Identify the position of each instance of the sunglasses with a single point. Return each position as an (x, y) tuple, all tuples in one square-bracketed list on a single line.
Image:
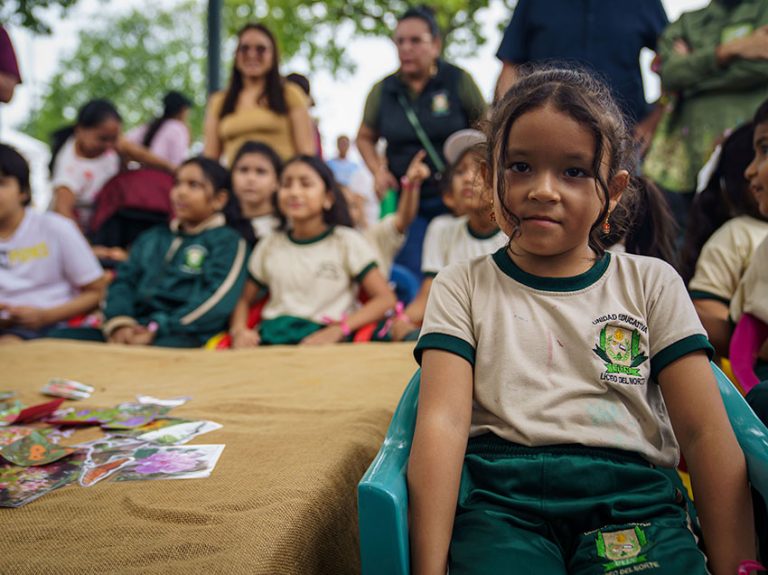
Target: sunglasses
[(260, 49)]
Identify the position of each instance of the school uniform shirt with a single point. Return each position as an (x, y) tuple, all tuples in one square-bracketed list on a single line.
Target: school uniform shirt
[(264, 225), (387, 240), (449, 240), (45, 262), (567, 360), (752, 294), (312, 279), (725, 257), (187, 281), (83, 176)]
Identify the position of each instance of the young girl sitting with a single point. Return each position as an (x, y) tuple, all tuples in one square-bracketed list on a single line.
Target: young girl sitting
[(554, 373), (724, 230), (48, 274), (311, 270), (255, 179), (180, 282), (454, 239), (85, 155)]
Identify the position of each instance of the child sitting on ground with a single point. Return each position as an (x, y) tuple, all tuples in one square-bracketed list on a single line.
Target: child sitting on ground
[(311, 269), (48, 273), (558, 378), (454, 239), (180, 282), (255, 179)]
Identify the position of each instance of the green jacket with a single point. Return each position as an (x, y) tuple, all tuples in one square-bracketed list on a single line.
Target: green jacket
[(706, 100), (186, 282)]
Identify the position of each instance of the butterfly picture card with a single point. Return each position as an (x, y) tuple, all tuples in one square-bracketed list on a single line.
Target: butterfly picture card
[(20, 485), (93, 472), (154, 425), (171, 462), (34, 449), (82, 416)]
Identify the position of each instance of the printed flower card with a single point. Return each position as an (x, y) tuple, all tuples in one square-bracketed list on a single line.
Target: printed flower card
[(182, 462), (34, 449), (20, 485), (152, 426), (82, 416)]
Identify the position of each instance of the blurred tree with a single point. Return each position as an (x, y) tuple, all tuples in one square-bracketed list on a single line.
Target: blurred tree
[(131, 58), (27, 13), (320, 31)]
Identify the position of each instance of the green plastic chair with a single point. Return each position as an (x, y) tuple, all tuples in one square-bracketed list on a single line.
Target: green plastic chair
[(382, 494)]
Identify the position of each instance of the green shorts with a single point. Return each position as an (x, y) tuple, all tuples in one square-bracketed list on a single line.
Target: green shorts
[(568, 510)]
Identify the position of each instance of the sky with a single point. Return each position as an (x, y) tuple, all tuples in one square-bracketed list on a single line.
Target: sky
[(339, 102)]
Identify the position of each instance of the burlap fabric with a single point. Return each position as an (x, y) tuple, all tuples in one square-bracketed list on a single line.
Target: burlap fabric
[(301, 426)]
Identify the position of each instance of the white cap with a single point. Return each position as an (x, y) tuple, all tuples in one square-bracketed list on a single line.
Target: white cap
[(459, 142)]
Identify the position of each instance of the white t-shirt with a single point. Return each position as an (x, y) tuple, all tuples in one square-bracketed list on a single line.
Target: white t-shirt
[(45, 262), (449, 240), (387, 240), (752, 294), (311, 279), (83, 176), (725, 257), (567, 360)]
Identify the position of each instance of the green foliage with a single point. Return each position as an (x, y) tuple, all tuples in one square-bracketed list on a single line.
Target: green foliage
[(320, 31), (26, 13), (132, 59)]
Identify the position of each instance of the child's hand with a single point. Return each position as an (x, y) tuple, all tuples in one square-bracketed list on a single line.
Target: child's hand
[(29, 317), (141, 336), (331, 334), (245, 338), (5, 316), (121, 335), (401, 328), (417, 170)]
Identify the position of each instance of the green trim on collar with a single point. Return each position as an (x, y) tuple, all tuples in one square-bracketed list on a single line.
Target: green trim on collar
[(449, 343), (313, 240), (359, 277), (479, 236), (677, 350), (700, 294), (431, 275), (569, 284)]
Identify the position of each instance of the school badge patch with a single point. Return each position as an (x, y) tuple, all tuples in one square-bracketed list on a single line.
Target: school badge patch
[(623, 549), (619, 348), (440, 104), (194, 256)]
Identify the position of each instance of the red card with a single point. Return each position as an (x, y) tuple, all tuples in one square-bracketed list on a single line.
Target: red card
[(38, 411)]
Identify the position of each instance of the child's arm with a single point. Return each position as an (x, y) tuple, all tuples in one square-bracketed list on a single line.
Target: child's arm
[(86, 301), (64, 202), (714, 317), (434, 467), (381, 299), (414, 313), (242, 335), (410, 191), (714, 458)]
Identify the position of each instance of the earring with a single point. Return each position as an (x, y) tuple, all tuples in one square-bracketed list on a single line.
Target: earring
[(606, 227), (493, 212)]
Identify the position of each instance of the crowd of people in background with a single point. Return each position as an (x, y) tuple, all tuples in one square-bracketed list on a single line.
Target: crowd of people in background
[(259, 241)]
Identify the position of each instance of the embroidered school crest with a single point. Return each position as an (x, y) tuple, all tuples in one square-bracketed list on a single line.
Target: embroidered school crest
[(440, 104), (194, 256), (621, 548), (619, 348)]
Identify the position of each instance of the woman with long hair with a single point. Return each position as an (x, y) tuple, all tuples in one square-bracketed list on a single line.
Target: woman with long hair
[(258, 104)]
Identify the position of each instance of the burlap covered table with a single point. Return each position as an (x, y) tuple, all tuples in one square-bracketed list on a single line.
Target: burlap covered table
[(300, 427)]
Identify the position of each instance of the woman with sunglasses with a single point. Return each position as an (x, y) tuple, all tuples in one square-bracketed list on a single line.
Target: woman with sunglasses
[(417, 108), (258, 104)]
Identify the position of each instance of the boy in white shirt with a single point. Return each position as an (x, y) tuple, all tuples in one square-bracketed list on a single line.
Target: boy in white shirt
[(48, 273)]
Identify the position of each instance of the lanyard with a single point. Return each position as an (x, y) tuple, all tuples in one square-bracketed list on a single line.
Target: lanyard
[(423, 138)]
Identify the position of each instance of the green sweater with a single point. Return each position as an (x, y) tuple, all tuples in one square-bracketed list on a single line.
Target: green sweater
[(188, 282), (706, 100)]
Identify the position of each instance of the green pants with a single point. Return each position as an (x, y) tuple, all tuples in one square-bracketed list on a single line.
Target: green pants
[(568, 510), (93, 334)]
